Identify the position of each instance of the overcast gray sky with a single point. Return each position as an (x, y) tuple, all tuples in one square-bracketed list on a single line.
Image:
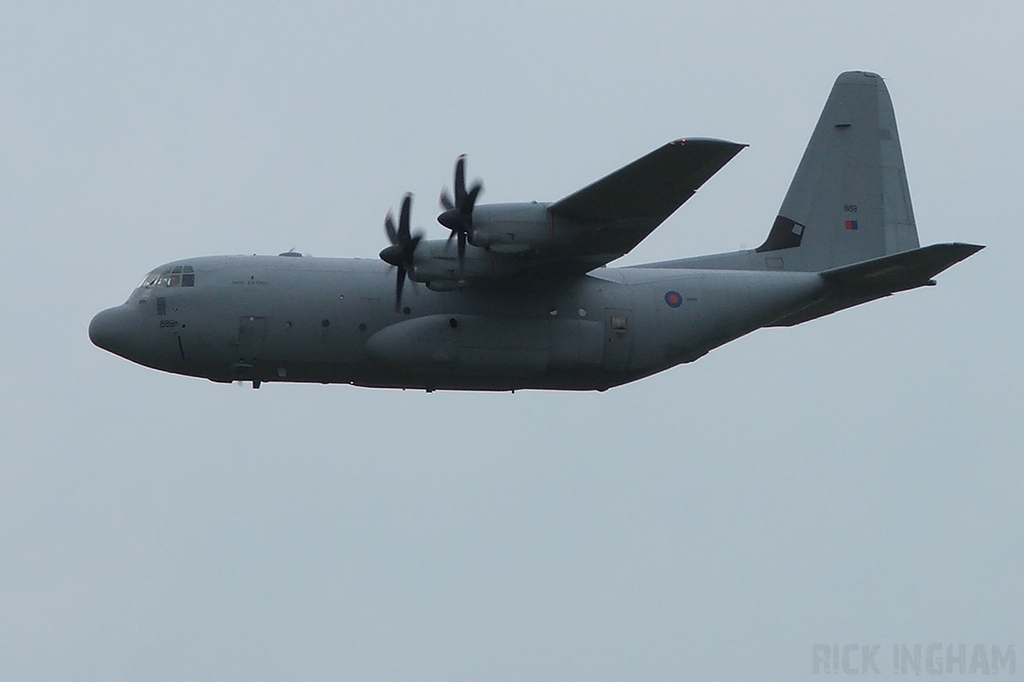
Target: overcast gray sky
[(853, 480)]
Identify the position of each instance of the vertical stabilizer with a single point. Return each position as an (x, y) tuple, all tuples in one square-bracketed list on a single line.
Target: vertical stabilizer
[(849, 200)]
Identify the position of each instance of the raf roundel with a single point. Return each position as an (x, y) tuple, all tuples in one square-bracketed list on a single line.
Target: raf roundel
[(673, 299)]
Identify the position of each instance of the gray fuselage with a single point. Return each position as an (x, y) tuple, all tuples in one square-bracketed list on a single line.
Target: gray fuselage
[(326, 320)]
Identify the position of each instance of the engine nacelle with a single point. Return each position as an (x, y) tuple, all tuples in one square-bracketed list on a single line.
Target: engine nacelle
[(505, 240), (436, 263), (513, 228)]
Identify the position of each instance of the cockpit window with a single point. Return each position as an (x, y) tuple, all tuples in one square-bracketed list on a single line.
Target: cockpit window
[(177, 276)]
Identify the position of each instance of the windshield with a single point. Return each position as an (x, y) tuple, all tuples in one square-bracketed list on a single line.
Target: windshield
[(176, 276)]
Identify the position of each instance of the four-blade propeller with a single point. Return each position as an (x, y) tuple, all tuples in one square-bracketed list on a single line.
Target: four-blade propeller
[(458, 214), (403, 246)]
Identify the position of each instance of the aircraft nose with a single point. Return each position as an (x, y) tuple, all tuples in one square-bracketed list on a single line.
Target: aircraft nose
[(108, 328)]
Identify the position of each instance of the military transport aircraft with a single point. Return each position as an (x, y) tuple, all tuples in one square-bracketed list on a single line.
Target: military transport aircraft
[(520, 295)]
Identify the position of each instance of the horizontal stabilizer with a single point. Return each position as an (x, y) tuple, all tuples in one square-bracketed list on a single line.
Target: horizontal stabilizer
[(653, 186), (901, 271), (879, 277)]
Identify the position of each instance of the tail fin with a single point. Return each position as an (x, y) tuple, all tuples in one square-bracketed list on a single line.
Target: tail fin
[(849, 200)]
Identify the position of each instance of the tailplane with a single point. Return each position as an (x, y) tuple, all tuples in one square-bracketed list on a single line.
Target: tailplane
[(851, 285)]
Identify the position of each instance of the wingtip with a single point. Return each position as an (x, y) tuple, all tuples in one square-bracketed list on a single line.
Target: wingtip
[(708, 142), (971, 249)]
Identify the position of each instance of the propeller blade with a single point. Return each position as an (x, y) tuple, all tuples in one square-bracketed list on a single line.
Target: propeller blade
[(399, 284), (389, 228), (460, 180), (403, 218), (412, 243), (446, 201), (467, 209)]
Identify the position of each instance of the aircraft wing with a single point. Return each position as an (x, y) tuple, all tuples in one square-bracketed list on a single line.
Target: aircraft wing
[(618, 211)]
